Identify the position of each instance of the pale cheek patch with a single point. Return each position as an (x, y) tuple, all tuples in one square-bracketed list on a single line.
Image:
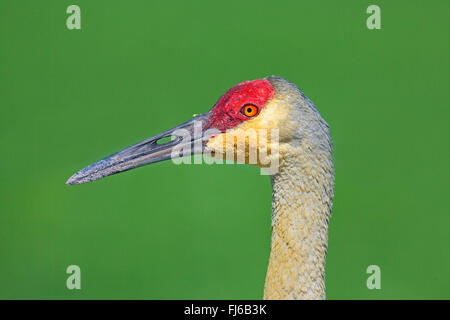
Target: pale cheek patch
[(249, 146), (276, 115), (253, 138)]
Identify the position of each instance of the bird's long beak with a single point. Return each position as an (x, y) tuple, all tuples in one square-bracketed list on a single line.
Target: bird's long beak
[(186, 136)]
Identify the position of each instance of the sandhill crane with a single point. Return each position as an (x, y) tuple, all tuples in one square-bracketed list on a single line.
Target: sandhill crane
[(302, 185)]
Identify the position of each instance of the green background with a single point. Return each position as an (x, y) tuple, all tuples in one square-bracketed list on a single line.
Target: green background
[(71, 97)]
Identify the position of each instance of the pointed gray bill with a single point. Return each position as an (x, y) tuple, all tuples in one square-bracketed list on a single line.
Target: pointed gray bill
[(188, 135)]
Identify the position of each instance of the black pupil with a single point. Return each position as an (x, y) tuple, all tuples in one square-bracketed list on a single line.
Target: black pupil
[(249, 110)]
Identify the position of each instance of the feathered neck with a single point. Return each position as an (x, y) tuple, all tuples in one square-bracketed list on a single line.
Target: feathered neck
[(301, 207)]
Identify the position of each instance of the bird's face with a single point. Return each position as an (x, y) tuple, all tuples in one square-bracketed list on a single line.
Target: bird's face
[(250, 118), (246, 117)]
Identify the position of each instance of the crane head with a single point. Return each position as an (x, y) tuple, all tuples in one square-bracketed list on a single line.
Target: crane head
[(256, 111)]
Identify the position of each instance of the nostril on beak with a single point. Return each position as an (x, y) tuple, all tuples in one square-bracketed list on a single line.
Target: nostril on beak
[(165, 140)]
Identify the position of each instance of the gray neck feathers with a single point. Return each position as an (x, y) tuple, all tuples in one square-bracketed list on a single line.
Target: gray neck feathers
[(301, 207)]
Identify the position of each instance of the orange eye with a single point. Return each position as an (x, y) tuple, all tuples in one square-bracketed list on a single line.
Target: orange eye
[(249, 110)]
